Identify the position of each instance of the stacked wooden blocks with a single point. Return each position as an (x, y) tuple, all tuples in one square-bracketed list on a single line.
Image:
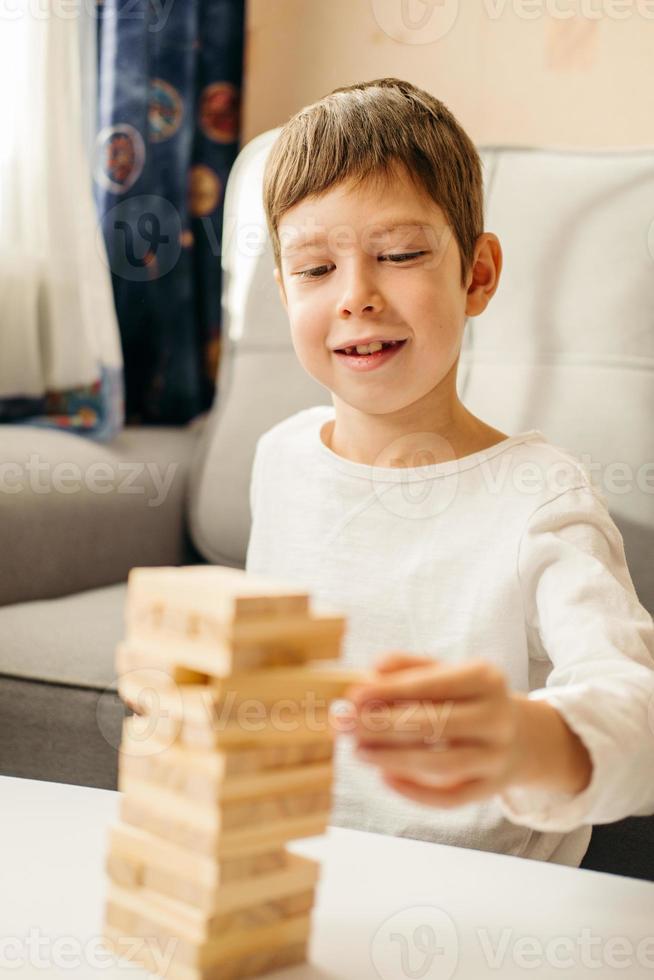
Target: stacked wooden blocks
[(228, 757)]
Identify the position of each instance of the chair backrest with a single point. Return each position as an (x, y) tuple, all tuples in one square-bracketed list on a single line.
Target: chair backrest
[(565, 346)]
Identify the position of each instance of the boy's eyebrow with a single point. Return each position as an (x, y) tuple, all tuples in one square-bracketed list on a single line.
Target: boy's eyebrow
[(314, 239)]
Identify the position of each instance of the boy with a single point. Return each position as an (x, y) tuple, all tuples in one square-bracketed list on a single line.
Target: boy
[(514, 690)]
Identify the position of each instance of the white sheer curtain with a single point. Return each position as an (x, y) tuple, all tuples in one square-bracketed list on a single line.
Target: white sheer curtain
[(58, 325)]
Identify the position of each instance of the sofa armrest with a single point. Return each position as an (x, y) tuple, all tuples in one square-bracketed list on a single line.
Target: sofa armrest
[(75, 514)]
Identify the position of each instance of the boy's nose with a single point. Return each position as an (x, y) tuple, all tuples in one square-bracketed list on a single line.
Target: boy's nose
[(360, 298), (351, 308)]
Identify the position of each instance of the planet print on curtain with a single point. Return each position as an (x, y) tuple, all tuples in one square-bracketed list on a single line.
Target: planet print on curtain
[(169, 91)]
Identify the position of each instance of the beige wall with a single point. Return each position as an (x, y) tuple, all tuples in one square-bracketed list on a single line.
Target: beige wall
[(512, 71)]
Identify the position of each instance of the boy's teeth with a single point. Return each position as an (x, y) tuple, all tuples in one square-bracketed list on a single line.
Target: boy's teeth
[(370, 348)]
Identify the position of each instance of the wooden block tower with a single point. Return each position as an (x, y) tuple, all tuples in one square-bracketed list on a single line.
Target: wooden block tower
[(228, 757)]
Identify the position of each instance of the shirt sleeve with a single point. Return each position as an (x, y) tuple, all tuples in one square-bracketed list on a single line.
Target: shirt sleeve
[(583, 615), (254, 476)]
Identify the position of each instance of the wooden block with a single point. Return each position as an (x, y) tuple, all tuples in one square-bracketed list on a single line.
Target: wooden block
[(200, 926), (234, 738), (220, 649), (225, 593), (275, 756), (212, 895), (139, 740), (248, 723), (131, 845), (134, 657), (189, 773), (156, 916), (188, 892), (198, 829), (273, 685), (125, 871), (227, 815), (145, 951)]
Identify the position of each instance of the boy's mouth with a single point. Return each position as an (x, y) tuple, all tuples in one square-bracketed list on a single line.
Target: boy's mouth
[(366, 352), (381, 354)]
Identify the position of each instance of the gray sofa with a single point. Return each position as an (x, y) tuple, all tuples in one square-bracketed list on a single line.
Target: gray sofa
[(82, 517), (566, 346)]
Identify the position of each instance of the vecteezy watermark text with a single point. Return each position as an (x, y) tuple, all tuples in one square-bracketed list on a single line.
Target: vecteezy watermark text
[(428, 21), (156, 12), (565, 953), (43, 477), (47, 953), (422, 941), (162, 708)]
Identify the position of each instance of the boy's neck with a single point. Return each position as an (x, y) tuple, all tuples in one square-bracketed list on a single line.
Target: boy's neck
[(381, 441)]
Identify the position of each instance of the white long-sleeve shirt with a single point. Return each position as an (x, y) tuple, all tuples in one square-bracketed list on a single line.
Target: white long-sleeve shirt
[(509, 554)]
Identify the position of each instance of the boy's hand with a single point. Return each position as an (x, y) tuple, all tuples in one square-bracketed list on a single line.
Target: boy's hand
[(450, 734)]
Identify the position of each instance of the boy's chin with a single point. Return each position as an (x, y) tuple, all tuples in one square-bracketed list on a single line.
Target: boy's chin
[(374, 404)]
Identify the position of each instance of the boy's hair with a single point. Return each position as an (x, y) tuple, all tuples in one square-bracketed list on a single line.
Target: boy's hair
[(361, 131)]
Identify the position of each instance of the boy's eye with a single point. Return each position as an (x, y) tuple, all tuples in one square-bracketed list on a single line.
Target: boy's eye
[(318, 271), (311, 273), (402, 257)]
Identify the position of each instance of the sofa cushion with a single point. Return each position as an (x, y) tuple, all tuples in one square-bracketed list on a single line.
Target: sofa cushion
[(60, 715), (64, 641), (75, 514), (565, 346), (60, 734)]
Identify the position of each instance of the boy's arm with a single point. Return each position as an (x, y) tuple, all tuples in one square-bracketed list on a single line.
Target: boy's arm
[(555, 758), (583, 613), (581, 749)]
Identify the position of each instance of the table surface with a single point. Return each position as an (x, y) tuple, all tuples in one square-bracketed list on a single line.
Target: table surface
[(386, 908)]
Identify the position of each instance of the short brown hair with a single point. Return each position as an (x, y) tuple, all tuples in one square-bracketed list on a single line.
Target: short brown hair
[(361, 131)]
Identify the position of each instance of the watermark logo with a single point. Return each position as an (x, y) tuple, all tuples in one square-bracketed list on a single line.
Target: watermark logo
[(416, 21), (419, 493), (417, 943), (143, 238), (413, 496), (156, 702)]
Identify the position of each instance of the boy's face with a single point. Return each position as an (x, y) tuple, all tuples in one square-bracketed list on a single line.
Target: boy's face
[(344, 286)]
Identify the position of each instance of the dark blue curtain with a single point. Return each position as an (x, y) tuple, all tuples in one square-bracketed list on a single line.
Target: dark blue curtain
[(169, 92)]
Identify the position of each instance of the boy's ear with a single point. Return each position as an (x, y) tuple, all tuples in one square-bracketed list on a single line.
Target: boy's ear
[(484, 277), (282, 291)]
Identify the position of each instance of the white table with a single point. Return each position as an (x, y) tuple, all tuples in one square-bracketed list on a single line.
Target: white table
[(386, 909)]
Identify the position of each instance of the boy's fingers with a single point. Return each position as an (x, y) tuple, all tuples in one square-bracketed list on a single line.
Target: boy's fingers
[(447, 799), (389, 663), (424, 723), (399, 661), (437, 682), (439, 768)]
